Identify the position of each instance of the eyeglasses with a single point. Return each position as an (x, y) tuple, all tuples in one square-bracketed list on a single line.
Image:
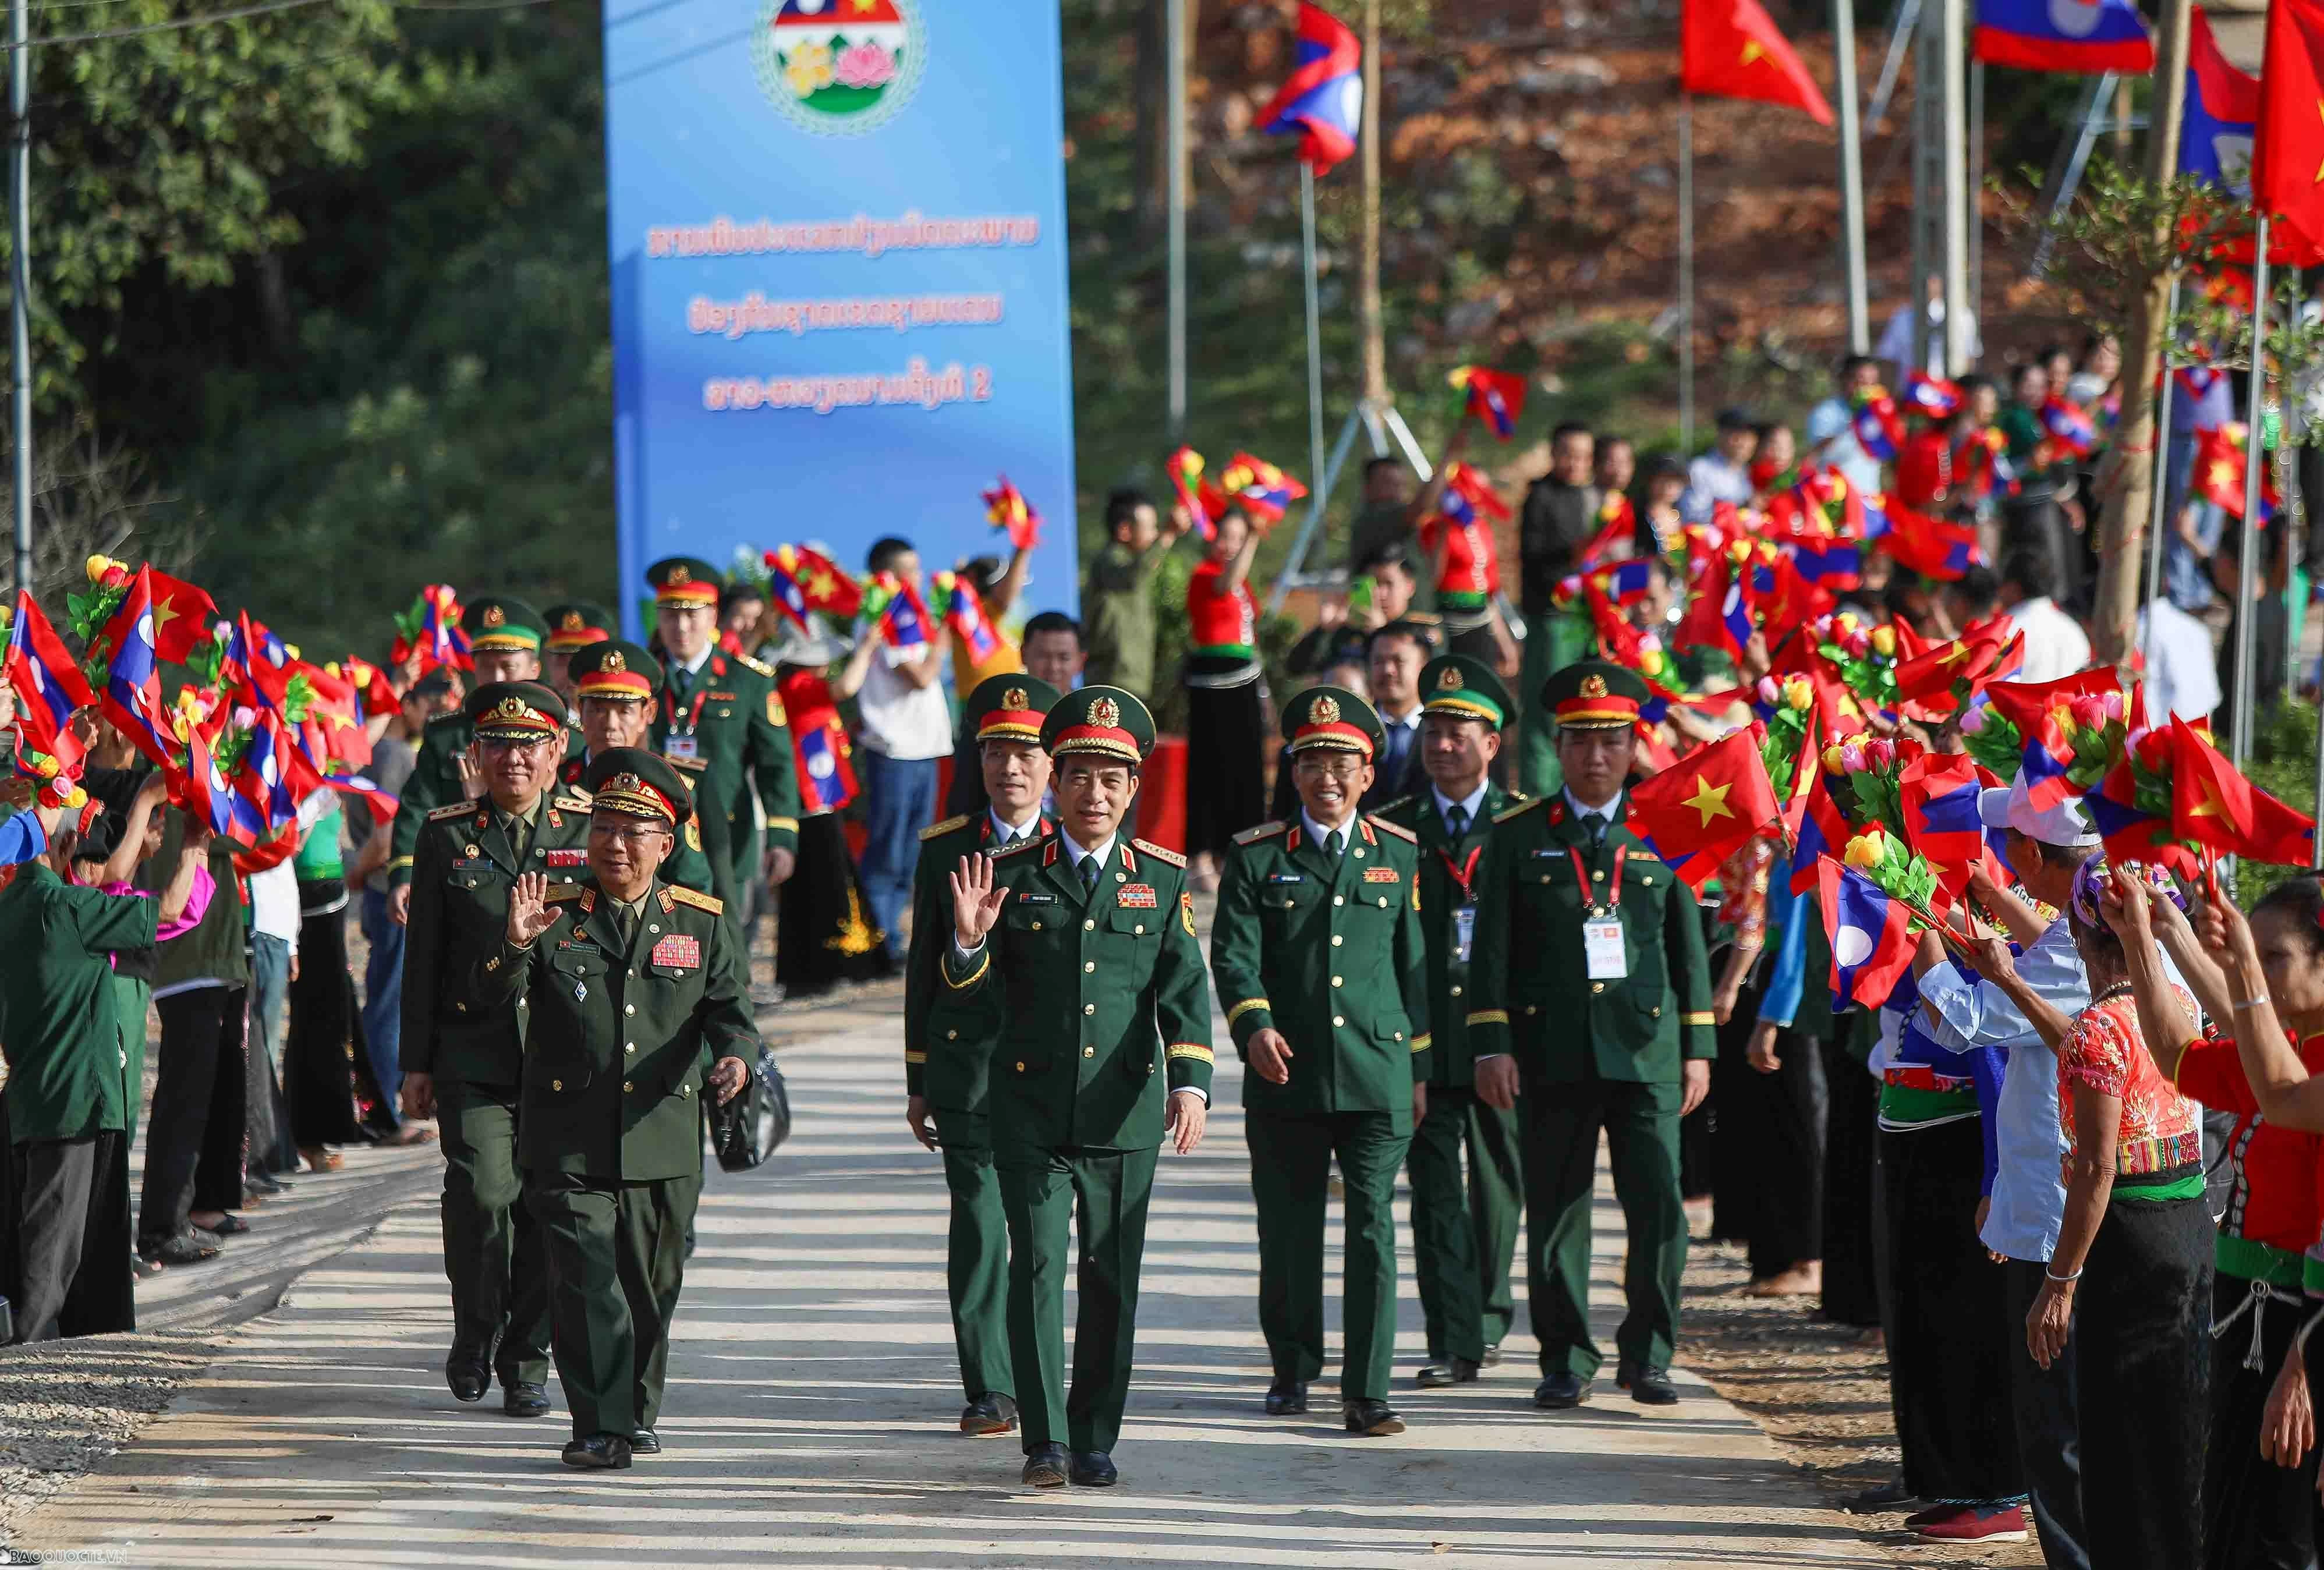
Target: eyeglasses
[(512, 744), (630, 834), (1339, 765)]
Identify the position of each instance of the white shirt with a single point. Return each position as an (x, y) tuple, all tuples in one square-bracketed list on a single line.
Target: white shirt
[(274, 902), (1712, 478), (1003, 836), (1611, 812), (694, 667), (1831, 432), (1896, 340), (2054, 643), (1321, 832), (898, 719), (2183, 675), (1473, 803)]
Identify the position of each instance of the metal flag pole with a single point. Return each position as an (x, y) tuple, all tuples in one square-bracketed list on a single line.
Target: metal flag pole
[(1315, 338), (1177, 53), (2160, 495), (20, 283), (1686, 273), (1851, 175), (2248, 562)]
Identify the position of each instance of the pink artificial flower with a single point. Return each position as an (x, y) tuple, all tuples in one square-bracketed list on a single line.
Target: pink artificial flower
[(2112, 703), (1852, 757), (865, 65), (1881, 751), (1973, 721), (1769, 692), (2088, 712)]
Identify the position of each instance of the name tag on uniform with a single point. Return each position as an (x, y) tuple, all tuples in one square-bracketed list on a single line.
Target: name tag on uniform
[(567, 858), (677, 951), (1546, 852), (1465, 927), (1137, 896), (681, 749), (1601, 947), (1287, 877), (1029, 898)]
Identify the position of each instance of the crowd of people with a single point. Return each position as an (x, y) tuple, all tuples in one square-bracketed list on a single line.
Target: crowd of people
[(2068, 1053)]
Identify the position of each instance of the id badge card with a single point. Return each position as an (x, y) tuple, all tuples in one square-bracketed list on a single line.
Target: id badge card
[(1601, 947), (681, 749), (1465, 927)]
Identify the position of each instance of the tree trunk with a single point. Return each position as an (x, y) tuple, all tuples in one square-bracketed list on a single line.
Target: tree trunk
[(1375, 329), (2128, 485), (1150, 90)]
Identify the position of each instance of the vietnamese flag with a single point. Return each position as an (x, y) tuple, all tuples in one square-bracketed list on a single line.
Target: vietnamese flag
[(182, 615), (1934, 670), (2288, 150), (1731, 48), (1717, 798)]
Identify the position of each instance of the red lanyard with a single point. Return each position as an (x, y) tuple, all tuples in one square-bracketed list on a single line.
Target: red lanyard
[(1581, 877), (669, 708), (1465, 874)]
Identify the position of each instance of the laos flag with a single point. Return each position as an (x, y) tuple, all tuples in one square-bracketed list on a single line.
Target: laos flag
[(1879, 429), (1870, 946), (132, 698), (48, 685), (2221, 119), (1324, 100), (2062, 35)]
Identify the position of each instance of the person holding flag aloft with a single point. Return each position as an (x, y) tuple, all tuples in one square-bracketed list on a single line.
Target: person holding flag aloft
[(1574, 918), (1226, 721)]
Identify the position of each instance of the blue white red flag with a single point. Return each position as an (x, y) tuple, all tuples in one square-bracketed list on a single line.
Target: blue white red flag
[(827, 782), (904, 624), (1871, 946), (784, 590), (1324, 100), (2069, 426), (48, 685), (2062, 35), (964, 614), (1496, 397), (1629, 582), (1879, 429), (2221, 119), (1927, 395), (380, 804), (132, 699)]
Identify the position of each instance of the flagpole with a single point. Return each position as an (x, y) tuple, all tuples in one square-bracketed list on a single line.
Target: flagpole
[(1686, 272), (1315, 334), (2161, 494), (2247, 564), (1175, 52), (1851, 175)]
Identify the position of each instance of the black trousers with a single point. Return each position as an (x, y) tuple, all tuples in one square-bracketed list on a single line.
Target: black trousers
[(1851, 1285), (2256, 1515), (1948, 1353), (1767, 1148), (2049, 1425), (194, 1141), (318, 1067), (73, 1234), (2142, 1372)]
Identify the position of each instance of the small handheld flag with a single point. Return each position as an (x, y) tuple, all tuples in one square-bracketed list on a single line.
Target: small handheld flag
[(1203, 500), (1717, 798), (964, 614), (48, 685), (1928, 395), (1323, 99), (2221, 119), (1871, 946), (1008, 511), (1879, 429), (2069, 35), (1495, 397), (1265, 491), (823, 583)]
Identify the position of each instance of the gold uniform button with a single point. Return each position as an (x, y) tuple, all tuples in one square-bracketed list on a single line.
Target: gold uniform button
[(627, 1086), (473, 851), (1531, 1008), (952, 1035), (1597, 877), (1359, 853), (1337, 981), (1121, 877), (1456, 990), (1336, 899), (629, 1008), (629, 1047), (1089, 1051), (556, 1085), (1020, 1068), (1657, 1011), (1036, 927), (653, 930), (539, 853), (1338, 1020), (461, 1007), (1140, 929), (1399, 1035), (1089, 965), (1089, 1008), (1336, 941), (1383, 902), (1086, 926), (1595, 987)]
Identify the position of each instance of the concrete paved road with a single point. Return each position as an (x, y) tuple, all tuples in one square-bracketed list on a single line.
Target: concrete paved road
[(812, 1401)]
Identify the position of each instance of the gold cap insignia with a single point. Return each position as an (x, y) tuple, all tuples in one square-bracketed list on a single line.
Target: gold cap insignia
[(1451, 681), (495, 616), (678, 575), (613, 663), (571, 623), (1593, 687), (1106, 713), (1015, 698), (1325, 711), (512, 708), (623, 784)]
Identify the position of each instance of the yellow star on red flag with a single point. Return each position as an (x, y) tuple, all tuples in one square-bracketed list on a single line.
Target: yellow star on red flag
[(1708, 799)]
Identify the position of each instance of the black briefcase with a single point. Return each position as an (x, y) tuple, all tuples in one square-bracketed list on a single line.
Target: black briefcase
[(752, 1126)]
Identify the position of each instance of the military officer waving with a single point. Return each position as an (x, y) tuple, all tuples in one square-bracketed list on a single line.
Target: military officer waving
[(1088, 936), (720, 720), (943, 1076), (1589, 999), (636, 1007), (1318, 926), (1462, 1239), (463, 1051), (504, 639)]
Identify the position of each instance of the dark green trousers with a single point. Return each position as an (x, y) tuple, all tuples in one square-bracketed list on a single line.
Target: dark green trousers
[(1561, 1121), (1290, 1178), (491, 1247), (976, 1265), (616, 1258), (1464, 1235), (1041, 1193)]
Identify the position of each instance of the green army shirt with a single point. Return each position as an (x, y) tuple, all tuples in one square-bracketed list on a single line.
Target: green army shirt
[(723, 727), (947, 1060), (1450, 868), (67, 1075), (1120, 621)]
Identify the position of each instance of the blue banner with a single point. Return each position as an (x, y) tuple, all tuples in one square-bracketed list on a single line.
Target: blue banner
[(838, 243)]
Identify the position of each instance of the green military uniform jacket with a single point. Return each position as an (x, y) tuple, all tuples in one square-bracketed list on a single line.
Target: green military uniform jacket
[(1443, 864), (1101, 998), (619, 1039), (435, 781), (732, 721), (947, 1060), (1529, 986), (463, 869), (1333, 947), (59, 1031)]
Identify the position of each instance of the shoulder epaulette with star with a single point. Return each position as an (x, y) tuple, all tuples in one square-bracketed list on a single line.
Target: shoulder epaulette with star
[(1399, 805), (766, 671), (563, 892), (1253, 835), (580, 803), (1160, 852), (709, 903), (455, 810), (455, 718), (938, 830), (1398, 829), (1018, 848), (1505, 813)]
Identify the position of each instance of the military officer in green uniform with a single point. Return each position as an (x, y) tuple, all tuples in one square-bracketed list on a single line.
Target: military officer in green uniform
[(1099, 1014), (1462, 1239), (613, 685), (942, 1076), (636, 1008), (721, 722), (462, 1053), (570, 628), (1318, 926), (504, 639), (1590, 1008)]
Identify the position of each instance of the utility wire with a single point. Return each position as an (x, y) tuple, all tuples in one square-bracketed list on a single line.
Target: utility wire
[(267, 8)]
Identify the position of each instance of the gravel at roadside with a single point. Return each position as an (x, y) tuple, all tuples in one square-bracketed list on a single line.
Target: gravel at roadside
[(65, 1406)]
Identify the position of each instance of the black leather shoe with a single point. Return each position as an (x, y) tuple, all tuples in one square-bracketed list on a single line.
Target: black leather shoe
[(1561, 1390), (1046, 1466), (1372, 1418), (524, 1398), (467, 1369), (1649, 1386), (1286, 1398), (1493, 1355), (1453, 1370), (645, 1442), (988, 1414), (599, 1453), (1092, 1469)]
